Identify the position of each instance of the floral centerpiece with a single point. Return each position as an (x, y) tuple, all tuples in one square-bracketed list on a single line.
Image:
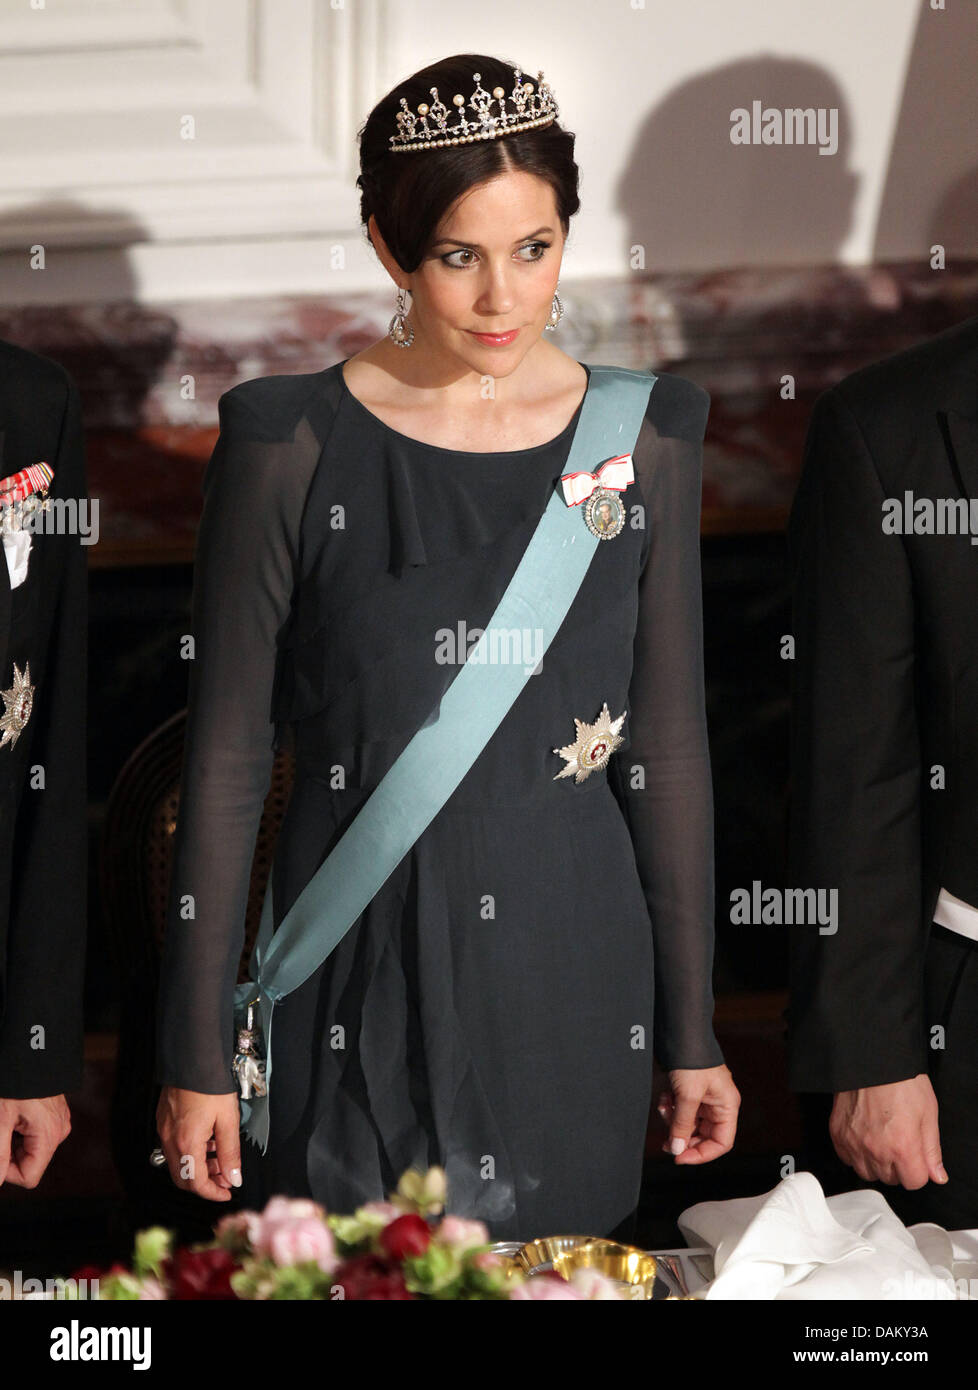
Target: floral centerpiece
[(295, 1249)]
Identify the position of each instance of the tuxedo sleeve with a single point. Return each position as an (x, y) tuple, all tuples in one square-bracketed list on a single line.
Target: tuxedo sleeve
[(666, 786), (855, 1015), (42, 1033)]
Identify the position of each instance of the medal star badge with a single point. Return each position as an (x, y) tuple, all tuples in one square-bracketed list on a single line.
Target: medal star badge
[(595, 744), (18, 702)]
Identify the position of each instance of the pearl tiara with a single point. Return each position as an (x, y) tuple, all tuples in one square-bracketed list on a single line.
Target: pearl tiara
[(428, 128)]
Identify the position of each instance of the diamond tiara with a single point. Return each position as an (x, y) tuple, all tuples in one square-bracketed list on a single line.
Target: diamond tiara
[(428, 128)]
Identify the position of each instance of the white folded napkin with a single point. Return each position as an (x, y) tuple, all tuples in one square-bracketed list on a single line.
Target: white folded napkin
[(17, 549), (792, 1243)]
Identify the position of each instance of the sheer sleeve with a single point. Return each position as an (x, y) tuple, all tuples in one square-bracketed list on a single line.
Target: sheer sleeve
[(247, 547), (665, 783)]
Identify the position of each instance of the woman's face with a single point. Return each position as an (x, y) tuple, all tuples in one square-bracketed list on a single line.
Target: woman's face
[(493, 267)]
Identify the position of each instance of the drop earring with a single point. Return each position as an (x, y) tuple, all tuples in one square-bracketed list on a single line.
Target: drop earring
[(396, 326), (556, 313)]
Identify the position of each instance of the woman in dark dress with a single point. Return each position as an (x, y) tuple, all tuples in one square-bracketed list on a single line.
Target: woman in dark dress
[(495, 1008)]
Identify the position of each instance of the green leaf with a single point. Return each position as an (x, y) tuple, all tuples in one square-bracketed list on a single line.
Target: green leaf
[(153, 1246)]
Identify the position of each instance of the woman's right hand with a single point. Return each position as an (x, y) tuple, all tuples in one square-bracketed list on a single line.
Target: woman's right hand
[(201, 1138)]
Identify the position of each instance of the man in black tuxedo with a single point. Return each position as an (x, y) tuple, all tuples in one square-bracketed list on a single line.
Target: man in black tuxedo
[(43, 837), (884, 1012)]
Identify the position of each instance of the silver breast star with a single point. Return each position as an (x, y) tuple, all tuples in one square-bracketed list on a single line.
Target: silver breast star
[(595, 744), (18, 702)]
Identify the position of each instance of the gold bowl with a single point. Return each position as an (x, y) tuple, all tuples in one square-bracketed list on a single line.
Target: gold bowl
[(626, 1264), (537, 1256)]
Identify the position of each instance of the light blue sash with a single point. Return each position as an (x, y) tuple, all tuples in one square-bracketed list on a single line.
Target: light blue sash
[(434, 762)]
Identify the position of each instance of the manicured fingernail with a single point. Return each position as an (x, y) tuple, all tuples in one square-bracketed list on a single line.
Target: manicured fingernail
[(676, 1146), (235, 1177), (663, 1110)]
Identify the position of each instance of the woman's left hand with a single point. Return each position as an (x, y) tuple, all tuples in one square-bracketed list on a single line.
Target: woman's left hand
[(701, 1112)]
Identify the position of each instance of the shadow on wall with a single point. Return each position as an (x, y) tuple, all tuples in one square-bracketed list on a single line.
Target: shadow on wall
[(930, 194), (695, 200)]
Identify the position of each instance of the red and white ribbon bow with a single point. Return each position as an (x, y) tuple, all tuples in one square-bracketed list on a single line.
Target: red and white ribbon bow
[(616, 474)]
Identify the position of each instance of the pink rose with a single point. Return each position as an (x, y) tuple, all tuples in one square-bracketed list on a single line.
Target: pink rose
[(293, 1231), (385, 1209), (238, 1230), (297, 1242), (487, 1260), (295, 1208), (545, 1286), (461, 1234)]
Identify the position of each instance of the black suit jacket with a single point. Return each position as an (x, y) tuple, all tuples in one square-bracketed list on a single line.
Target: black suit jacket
[(43, 836), (885, 710)]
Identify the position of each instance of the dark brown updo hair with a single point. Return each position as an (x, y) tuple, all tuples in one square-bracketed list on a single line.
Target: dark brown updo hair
[(409, 193)]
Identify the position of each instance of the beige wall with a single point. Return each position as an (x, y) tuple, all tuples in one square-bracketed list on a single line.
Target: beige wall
[(167, 150)]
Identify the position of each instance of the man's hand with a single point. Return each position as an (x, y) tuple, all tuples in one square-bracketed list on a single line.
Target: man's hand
[(890, 1133), (30, 1131), (200, 1135)]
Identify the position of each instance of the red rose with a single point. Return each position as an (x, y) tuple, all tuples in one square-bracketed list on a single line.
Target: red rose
[(407, 1235), (198, 1274), (371, 1277)]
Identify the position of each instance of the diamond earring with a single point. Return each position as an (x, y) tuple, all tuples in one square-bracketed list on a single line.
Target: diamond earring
[(556, 314), (396, 326)]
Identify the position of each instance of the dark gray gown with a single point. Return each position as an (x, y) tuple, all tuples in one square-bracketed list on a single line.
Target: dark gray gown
[(495, 1008)]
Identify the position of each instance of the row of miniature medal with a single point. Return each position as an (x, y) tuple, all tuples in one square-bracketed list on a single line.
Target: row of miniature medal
[(21, 494)]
